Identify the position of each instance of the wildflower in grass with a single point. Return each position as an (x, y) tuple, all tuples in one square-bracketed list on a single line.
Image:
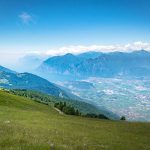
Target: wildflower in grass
[(7, 122)]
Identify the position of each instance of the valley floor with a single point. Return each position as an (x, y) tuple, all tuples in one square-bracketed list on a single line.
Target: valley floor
[(28, 125)]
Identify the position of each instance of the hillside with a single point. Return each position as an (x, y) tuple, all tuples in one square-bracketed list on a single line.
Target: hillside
[(25, 124), (3, 69), (13, 80), (83, 107)]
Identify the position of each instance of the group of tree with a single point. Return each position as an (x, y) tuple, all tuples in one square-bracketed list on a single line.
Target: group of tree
[(34, 95), (67, 109), (99, 116), (70, 110)]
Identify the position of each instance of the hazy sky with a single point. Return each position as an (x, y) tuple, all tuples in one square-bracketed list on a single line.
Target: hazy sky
[(53, 26)]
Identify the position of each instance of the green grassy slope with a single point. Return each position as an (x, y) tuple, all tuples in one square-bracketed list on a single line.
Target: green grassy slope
[(38, 96), (28, 125), (83, 107)]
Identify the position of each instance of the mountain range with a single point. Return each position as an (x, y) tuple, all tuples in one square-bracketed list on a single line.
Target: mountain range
[(134, 64)]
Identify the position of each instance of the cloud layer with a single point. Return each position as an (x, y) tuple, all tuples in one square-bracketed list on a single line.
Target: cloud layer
[(99, 48)]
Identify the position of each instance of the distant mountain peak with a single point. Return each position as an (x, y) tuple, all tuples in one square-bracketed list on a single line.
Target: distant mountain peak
[(141, 52), (69, 54)]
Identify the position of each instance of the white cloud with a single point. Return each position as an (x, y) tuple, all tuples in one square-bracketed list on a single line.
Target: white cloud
[(76, 49), (25, 17)]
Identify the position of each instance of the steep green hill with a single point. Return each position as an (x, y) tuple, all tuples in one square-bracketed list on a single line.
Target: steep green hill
[(83, 107), (28, 125)]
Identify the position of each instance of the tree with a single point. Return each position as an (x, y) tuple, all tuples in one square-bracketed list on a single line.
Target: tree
[(123, 118), (65, 104), (77, 112)]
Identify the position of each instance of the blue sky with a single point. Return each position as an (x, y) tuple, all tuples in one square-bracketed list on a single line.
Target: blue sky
[(42, 25)]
